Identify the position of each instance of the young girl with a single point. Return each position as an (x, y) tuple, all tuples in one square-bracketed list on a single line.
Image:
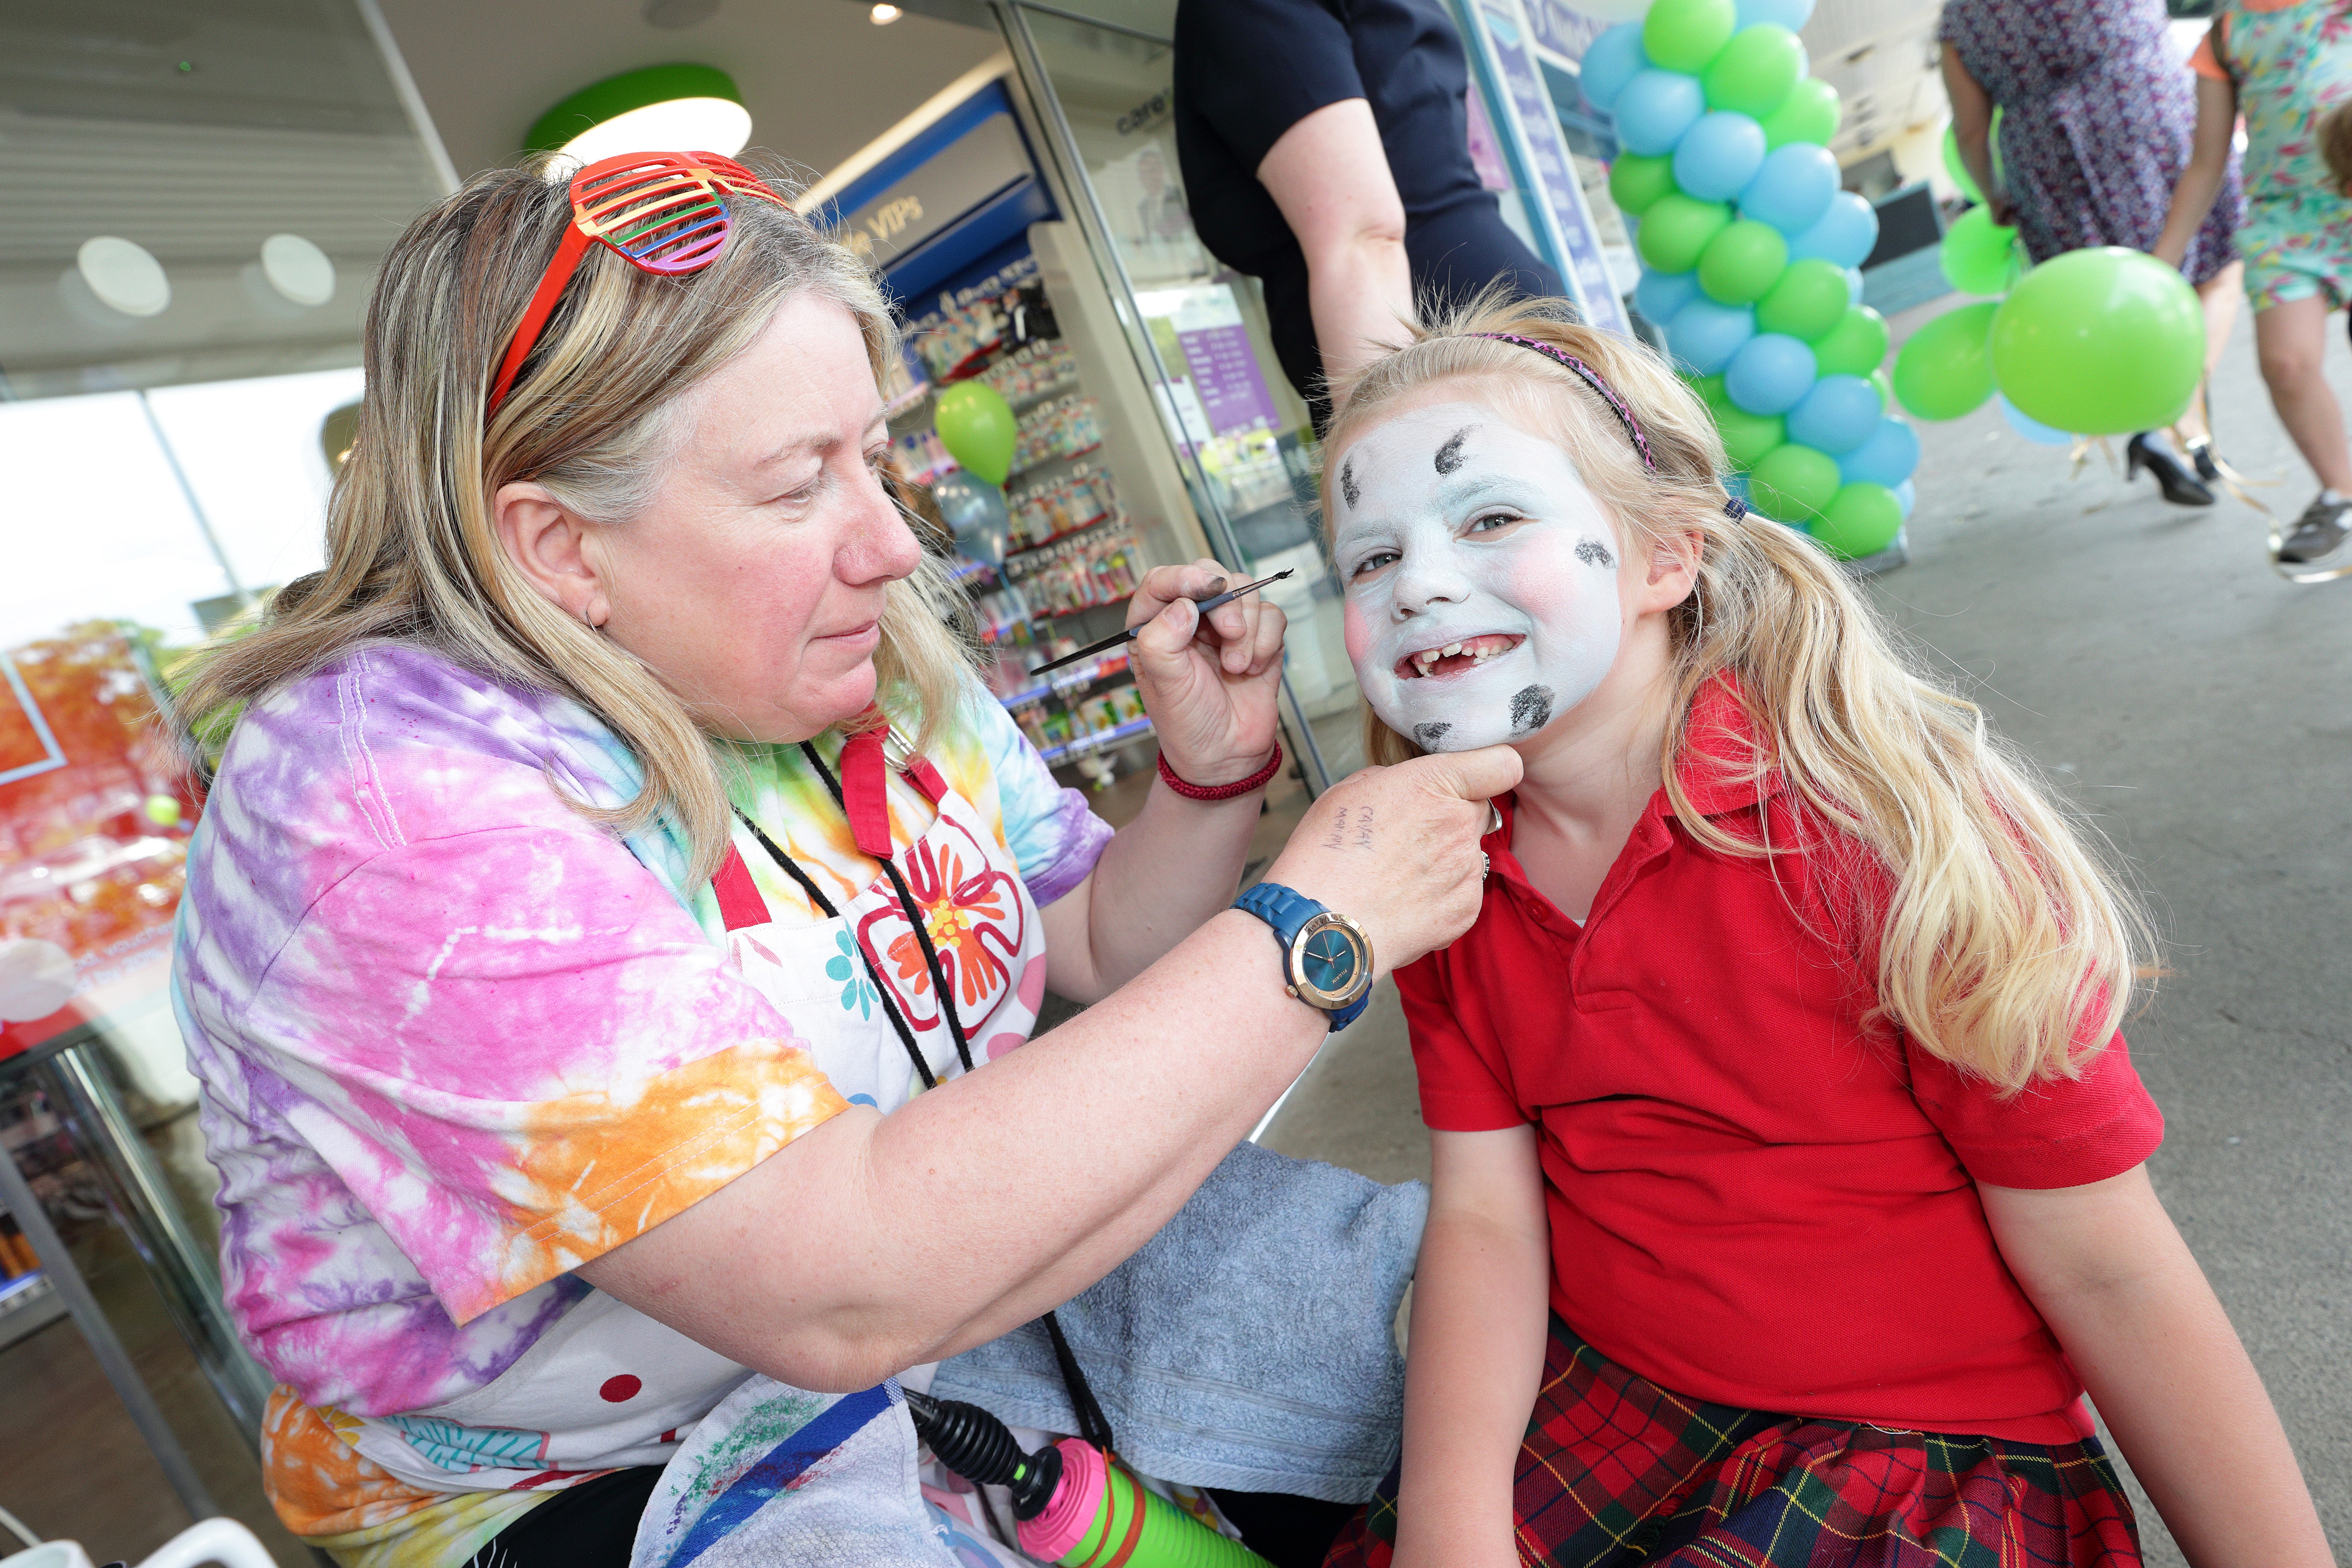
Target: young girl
[(1788, 1163)]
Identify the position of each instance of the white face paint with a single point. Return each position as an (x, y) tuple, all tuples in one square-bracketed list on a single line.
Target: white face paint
[(1481, 577)]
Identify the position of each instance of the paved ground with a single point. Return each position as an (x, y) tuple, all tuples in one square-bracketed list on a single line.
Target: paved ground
[(2150, 661)]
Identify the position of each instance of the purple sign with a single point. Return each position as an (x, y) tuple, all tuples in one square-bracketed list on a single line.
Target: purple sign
[(1226, 379)]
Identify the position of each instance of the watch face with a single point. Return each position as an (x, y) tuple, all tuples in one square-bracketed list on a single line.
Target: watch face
[(1331, 961)]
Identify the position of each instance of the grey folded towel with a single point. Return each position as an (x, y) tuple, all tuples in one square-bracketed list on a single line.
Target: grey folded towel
[(1248, 1345)]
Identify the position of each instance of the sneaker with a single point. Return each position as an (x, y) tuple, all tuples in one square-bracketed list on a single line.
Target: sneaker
[(2318, 535)]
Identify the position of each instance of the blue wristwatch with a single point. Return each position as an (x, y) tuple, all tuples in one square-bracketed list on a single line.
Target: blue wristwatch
[(1327, 959)]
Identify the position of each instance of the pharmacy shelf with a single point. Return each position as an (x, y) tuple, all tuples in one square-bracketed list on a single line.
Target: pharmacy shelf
[(1064, 683), (1113, 515), (1049, 459), (1100, 741)]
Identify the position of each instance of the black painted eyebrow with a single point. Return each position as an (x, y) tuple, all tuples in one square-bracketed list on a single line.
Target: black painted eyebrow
[(1449, 455), (1347, 482)]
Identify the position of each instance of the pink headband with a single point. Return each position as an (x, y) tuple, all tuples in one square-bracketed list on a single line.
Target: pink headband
[(1733, 507)]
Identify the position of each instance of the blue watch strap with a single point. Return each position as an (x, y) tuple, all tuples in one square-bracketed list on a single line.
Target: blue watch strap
[(1287, 913)]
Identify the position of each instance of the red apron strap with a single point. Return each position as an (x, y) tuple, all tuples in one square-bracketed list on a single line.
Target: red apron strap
[(866, 794), (926, 778), (739, 903)]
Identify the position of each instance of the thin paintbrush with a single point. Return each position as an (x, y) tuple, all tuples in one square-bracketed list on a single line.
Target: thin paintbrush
[(1227, 597)]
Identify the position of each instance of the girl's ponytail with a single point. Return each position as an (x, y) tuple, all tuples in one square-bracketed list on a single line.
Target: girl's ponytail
[(1999, 943)]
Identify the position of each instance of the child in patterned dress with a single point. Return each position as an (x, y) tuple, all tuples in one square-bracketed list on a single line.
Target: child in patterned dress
[(2287, 65)]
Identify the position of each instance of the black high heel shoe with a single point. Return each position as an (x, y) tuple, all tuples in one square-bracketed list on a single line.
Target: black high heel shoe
[(2181, 487)]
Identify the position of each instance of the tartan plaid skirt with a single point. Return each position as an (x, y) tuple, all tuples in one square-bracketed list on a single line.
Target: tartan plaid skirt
[(1616, 1470)]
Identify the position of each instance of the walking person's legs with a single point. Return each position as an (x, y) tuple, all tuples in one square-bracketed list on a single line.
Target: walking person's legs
[(2219, 295), (2291, 340)]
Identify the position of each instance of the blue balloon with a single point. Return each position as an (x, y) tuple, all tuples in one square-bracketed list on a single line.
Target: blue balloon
[(975, 513), (1853, 286), (1838, 414), (1716, 157), (1655, 108), (2030, 428), (1661, 295), (1844, 233), (1611, 61), (1887, 458), (1705, 336), (1770, 374), (1791, 190), (1906, 496), (1790, 14)]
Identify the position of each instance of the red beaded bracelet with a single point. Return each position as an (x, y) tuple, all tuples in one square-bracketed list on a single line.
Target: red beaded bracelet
[(1256, 781)]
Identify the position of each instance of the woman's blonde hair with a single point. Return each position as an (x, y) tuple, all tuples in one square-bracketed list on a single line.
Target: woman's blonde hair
[(411, 552), (2000, 943)]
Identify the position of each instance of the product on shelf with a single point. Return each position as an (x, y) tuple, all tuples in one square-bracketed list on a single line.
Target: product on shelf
[(961, 332), (1047, 509), (1059, 428), (922, 456), (1032, 369), (1098, 568)]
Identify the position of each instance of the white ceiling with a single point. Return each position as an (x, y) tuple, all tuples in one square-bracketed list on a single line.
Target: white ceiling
[(820, 79)]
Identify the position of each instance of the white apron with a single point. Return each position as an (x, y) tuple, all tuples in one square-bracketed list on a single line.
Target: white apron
[(607, 1387)]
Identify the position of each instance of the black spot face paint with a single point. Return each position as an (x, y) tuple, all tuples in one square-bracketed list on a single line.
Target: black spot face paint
[(1592, 552), (1428, 735), (1531, 709), (1347, 482), (1449, 456)]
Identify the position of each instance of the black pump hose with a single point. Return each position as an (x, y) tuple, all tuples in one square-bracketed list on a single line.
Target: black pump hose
[(980, 1448)]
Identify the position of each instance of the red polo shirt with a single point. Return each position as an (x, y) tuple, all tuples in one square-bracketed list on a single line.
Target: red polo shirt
[(1756, 1197)]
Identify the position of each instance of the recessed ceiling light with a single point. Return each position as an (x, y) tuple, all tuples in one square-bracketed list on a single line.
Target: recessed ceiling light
[(673, 108), (123, 276), (298, 269), (885, 14)]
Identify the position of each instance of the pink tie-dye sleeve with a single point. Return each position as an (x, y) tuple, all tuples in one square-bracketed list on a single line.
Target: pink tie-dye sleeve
[(518, 1051)]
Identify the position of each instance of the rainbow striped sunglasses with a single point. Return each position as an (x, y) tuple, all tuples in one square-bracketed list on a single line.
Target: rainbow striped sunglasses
[(663, 213)]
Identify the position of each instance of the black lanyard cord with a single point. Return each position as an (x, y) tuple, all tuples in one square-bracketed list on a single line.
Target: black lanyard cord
[(914, 913), (816, 897)]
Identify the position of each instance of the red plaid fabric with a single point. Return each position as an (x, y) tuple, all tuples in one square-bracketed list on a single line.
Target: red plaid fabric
[(1616, 1470)]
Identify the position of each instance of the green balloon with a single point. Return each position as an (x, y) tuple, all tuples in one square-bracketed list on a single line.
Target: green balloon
[(1946, 369), (1636, 180), (1886, 384), (1754, 72), (1855, 346), (1794, 483), (1861, 519), (1809, 113), (1747, 437), (1676, 229), (976, 426), (2102, 342), (1957, 168), (1709, 389), (1807, 301), (1979, 255), (1741, 264), (1683, 35)]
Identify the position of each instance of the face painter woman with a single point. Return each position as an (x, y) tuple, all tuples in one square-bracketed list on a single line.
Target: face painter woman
[(619, 906)]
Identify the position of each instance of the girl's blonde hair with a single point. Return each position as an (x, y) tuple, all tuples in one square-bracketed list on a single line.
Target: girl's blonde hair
[(412, 553), (2001, 942)]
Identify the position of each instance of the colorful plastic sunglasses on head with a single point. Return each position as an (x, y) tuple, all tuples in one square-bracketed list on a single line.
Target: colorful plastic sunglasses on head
[(663, 212)]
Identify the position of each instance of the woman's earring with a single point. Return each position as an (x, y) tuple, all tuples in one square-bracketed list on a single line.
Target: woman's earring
[(588, 619)]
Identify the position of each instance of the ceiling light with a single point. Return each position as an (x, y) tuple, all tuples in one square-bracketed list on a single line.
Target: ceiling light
[(885, 14), (298, 269), (673, 108), (123, 276)]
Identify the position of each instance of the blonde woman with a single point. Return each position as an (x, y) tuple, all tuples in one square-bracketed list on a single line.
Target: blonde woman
[(1788, 1163), (568, 958)]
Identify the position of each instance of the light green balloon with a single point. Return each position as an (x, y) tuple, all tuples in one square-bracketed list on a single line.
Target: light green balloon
[(1676, 229), (1747, 438), (1636, 180), (1756, 70), (1809, 113), (1957, 167), (1979, 255), (1793, 483), (1861, 519), (2101, 343), (1855, 346), (1683, 35), (977, 427), (1741, 264), (1946, 369), (1805, 301), (1709, 389)]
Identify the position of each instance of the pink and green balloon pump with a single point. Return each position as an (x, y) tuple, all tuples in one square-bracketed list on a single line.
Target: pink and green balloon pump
[(1071, 1504)]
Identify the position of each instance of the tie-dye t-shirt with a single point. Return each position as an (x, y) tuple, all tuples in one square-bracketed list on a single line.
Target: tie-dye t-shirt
[(456, 1039)]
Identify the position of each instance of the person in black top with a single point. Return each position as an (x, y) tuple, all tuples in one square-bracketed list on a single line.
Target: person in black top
[(1324, 147)]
